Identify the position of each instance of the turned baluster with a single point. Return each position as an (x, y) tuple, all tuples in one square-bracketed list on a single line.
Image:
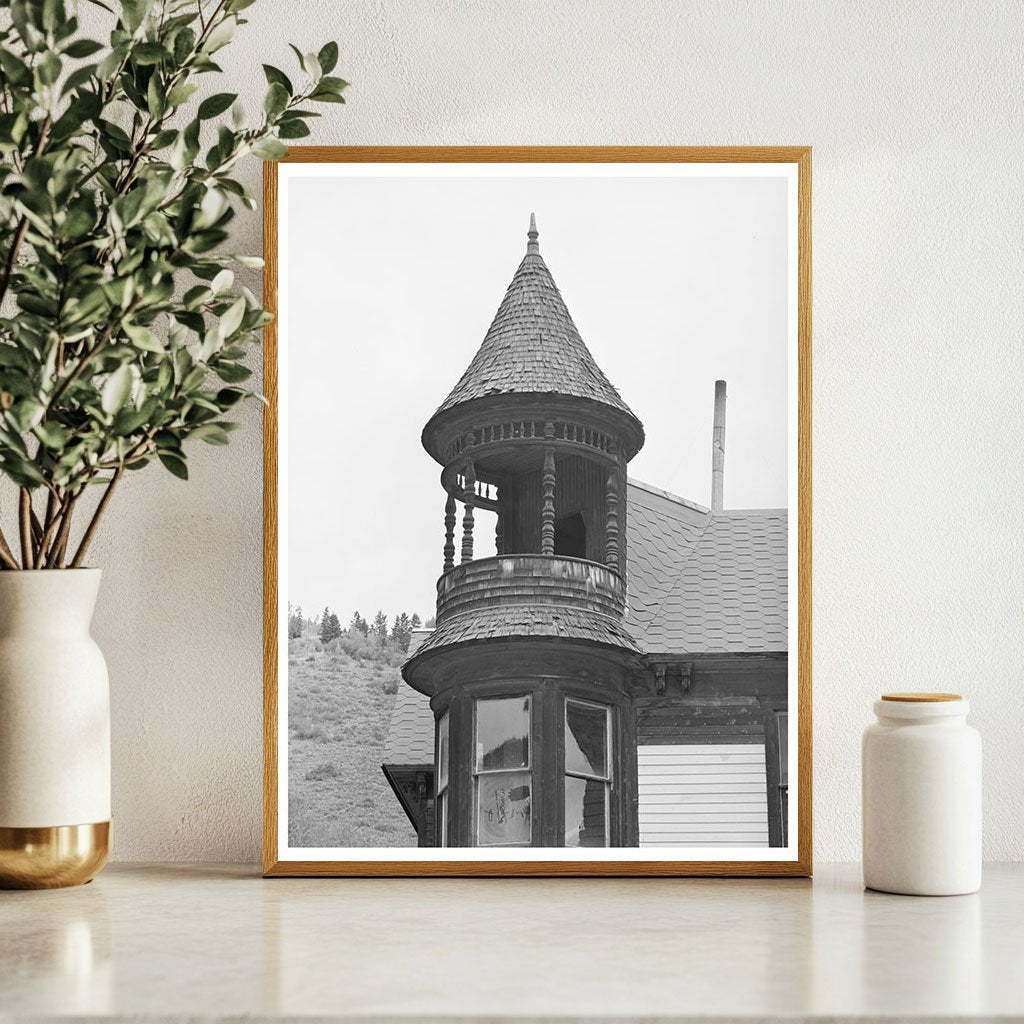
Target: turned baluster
[(547, 512), (611, 543), (449, 534), (468, 493)]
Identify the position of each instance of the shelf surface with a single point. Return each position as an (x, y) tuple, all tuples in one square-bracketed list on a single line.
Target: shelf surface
[(176, 942)]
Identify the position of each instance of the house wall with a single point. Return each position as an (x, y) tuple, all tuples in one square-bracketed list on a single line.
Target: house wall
[(707, 762)]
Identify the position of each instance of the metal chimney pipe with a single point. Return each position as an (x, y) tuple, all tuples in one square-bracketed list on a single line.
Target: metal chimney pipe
[(718, 449)]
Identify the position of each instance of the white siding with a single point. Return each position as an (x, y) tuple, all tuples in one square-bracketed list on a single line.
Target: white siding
[(703, 795)]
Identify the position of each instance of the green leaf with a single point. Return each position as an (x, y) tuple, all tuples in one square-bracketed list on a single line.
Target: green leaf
[(324, 96), (328, 57), (232, 319), (83, 48), (175, 464), (53, 435), (222, 281), (106, 68), (216, 104), (181, 93), (78, 78), (128, 421), (233, 373), (184, 44), (133, 12), (116, 390), (16, 70), (293, 130), (26, 413), (49, 68), (269, 149), (276, 99), (149, 53), (221, 35), (143, 338), (227, 397), (275, 76), (211, 433), (156, 100)]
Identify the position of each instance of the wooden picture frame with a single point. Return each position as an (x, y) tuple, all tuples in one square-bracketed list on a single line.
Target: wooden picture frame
[(800, 862)]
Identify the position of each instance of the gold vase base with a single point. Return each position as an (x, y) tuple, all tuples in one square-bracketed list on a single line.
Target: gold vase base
[(53, 857)]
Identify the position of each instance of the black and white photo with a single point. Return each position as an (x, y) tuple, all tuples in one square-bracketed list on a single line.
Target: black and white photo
[(536, 512)]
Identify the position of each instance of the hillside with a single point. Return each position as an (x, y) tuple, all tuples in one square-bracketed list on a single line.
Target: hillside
[(338, 713)]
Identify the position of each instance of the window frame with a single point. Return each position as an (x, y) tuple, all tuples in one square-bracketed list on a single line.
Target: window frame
[(442, 796), (609, 759), (778, 808), (475, 772)]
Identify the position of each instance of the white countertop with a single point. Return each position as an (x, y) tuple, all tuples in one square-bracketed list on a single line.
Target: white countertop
[(179, 941)]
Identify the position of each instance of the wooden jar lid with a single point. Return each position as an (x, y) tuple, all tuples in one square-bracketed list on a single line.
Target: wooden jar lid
[(921, 698)]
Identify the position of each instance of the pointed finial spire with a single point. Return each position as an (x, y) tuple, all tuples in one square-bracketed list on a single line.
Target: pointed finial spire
[(532, 245)]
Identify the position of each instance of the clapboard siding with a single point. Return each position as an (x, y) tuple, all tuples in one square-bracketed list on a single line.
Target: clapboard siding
[(698, 794)]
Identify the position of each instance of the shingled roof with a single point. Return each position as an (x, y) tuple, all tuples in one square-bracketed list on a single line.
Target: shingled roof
[(699, 583), (526, 620), (702, 582), (532, 346)]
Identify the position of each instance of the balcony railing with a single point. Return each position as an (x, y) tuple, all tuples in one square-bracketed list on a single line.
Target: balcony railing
[(530, 580)]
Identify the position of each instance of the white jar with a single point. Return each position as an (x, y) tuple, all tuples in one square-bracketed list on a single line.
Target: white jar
[(921, 776)]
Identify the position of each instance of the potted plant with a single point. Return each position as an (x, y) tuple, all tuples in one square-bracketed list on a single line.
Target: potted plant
[(122, 343)]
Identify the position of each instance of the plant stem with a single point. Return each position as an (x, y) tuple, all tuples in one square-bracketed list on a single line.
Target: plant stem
[(87, 356), (6, 555), (94, 523), (51, 523), (56, 556), (25, 523)]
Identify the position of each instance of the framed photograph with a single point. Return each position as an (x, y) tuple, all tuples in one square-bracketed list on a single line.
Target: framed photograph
[(537, 600)]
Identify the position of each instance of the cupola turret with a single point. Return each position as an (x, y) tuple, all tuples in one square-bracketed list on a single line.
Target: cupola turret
[(529, 663)]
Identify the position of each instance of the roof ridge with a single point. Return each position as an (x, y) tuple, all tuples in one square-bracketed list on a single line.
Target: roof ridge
[(651, 489), (740, 513)]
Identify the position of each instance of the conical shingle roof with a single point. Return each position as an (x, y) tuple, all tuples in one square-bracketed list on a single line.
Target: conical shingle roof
[(532, 346)]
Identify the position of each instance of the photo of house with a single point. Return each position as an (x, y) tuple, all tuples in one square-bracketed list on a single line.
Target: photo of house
[(616, 674)]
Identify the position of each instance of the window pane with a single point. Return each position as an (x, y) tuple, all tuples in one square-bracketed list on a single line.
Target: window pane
[(442, 752), (502, 733), (586, 818), (586, 739), (503, 809)]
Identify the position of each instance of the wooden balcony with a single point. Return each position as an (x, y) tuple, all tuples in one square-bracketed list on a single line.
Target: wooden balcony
[(508, 580)]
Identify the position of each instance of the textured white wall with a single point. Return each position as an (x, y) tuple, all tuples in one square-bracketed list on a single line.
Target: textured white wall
[(914, 113)]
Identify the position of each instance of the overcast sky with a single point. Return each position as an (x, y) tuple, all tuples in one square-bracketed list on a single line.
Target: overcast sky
[(392, 284)]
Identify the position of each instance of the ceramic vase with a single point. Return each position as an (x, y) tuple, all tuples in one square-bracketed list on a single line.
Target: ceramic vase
[(922, 796), (54, 731)]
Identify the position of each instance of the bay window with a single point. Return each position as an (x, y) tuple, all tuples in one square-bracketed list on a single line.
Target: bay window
[(443, 767), (502, 775), (588, 776)]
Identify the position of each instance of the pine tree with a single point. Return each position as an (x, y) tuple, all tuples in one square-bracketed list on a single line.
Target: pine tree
[(401, 631), (330, 628), (296, 623), (380, 628), (415, 622), (358, 622)]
